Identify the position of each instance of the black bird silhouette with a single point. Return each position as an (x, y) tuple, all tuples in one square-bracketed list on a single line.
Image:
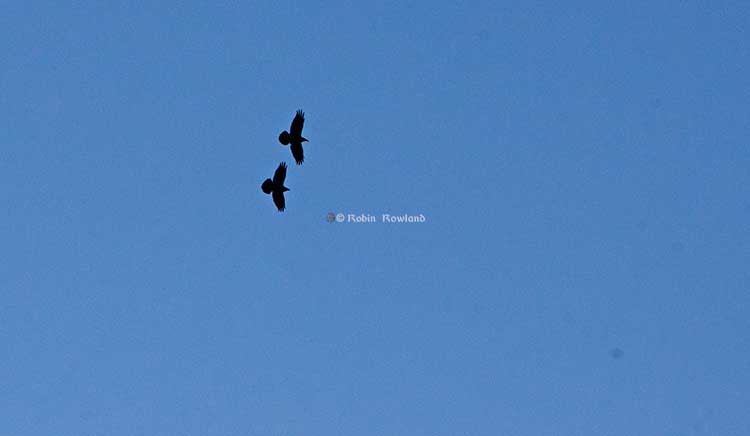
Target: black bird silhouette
[(294, 137), (276, 187)]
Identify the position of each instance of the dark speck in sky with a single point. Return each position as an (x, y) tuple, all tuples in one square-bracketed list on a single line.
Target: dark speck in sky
[(616, 353)]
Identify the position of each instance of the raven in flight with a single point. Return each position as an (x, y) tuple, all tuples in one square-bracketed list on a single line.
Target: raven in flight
[(276, 187), (294, 137)]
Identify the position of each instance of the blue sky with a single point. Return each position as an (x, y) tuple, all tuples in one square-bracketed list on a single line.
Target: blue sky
[(583, 169)]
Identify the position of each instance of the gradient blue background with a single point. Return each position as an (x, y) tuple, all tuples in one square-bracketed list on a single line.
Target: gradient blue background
[(583, 169)]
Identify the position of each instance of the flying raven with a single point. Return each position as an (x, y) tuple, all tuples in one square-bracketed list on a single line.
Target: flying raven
[(276, 187), (294, 137)]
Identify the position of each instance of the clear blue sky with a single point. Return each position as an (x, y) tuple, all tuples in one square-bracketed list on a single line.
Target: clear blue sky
[(583, 169)]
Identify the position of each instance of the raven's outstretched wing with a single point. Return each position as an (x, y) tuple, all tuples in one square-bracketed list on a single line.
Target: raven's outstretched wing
[(278, 200), (299, 155), (280, 175), (297, 123)]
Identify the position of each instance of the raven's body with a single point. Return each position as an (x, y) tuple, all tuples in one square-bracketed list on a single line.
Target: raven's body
[(276, 187), (295, 138)]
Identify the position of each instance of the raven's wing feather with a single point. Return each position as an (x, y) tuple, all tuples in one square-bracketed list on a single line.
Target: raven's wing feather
[(280, 175), (298, 153), (278, 200), (297, 123)]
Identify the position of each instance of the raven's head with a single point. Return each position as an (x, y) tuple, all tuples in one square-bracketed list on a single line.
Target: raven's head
[(284, 137), (267, 186)]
